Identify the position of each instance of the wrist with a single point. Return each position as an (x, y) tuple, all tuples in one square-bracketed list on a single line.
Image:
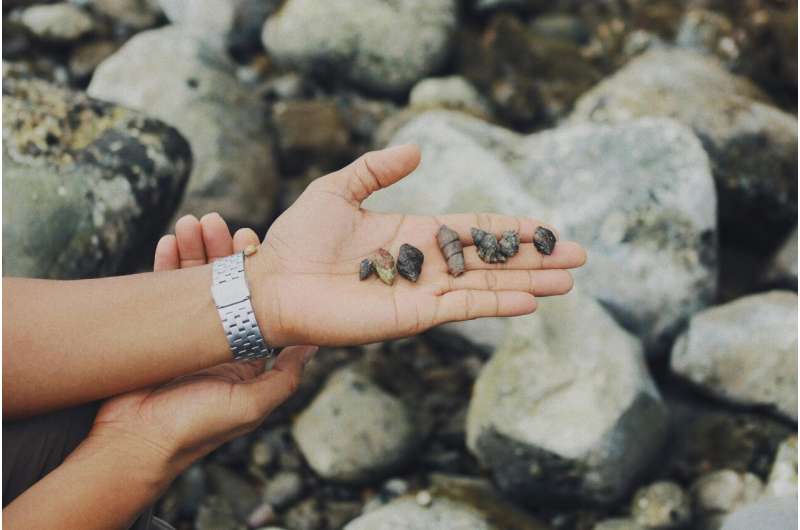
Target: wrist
[(265, 300)]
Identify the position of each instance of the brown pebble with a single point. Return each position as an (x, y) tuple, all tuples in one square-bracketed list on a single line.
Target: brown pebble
[(544, 240), (385, 266), (453, 252)]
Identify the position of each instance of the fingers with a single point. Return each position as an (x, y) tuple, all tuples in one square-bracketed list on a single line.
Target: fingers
[(493, 223), (566, 255), (216, 237), (371, 172), (243, 238), (191, 249), (467, 304), (166, 256), (539, 283), (262, 394)]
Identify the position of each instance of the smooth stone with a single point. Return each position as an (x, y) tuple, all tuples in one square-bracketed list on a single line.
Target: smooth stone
[(744, 352), (191, 84), (380, 46), (531, 428), (661, 505), (724, 491), (354, 431), (61, 22), (452, 92)]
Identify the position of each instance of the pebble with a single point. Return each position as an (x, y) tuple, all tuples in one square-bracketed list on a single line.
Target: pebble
[(661, 505), (60, 22)]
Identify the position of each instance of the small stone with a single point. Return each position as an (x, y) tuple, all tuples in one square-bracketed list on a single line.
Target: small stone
[(365, 269), (384, 266), (488, 247), (61, 22), (544, 240), (409, 262), (283, 489), (424, 498), (661, 505), (261, 515), (724, 491), (509, 243)]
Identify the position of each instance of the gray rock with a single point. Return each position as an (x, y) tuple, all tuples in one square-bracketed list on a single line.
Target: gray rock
[(724, 491), (283, 488), (61, 22), (216, 513), (353, 431), (782, 268), (752, 145), (191, 85), (136, 14), (379, 45), (782, 481), (406, 514), (661, 505), (653, 219), (452, 92), (744, 351), (84, 182), (534, 428), (618, 523), (766, 514), (239, 493)]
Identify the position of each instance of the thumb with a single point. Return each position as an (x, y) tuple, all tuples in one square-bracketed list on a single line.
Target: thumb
[(373, 171), (273, 387)]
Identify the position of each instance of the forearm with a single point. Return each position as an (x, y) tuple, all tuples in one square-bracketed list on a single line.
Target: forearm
[(94, 488), (69, 342)]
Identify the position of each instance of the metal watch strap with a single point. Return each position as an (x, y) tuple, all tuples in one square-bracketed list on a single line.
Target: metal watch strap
[(232, 298)]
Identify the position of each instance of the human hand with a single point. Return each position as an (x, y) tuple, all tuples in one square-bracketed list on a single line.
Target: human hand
[(172, 425), (306, 288)]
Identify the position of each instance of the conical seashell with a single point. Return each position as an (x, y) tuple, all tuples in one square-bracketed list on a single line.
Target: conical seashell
[(488, 249), (453, 252), (409, 262), (544, 240), (384, 266)]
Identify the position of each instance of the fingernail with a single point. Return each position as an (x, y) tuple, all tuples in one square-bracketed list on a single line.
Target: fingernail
[(309, 354)]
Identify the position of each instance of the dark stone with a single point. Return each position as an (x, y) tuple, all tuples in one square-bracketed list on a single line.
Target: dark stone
[(488, 247), (508, 244), (409, 262), (544, 240), (365, 269)]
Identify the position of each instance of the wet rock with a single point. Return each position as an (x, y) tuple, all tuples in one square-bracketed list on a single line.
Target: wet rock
[(654, 219), (528, 77), (661, 505), (192, 86), (744, 351), (283, 489), (354, 431), (782, 268), (135, 14), (766, 514), (381, 46), (782, 481), (452, 92), (310, 132), (84, 182), (618, 523), (58, 23), (752, 145), (532, 428), (721, 492)]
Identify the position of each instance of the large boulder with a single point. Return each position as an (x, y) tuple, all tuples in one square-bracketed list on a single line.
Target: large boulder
[(566, 409), (378, 45), (191, 84), (638, 195), (752, 144), (354, 431), (84, 182), (744, 351)]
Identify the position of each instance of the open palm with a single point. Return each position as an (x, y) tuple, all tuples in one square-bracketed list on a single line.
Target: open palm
[(311, 294)]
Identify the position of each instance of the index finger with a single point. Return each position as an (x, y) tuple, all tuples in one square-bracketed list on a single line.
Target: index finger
[(493, 223)]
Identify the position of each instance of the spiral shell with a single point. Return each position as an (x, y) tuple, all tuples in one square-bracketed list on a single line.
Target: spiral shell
[(453, 252), (487, 245), (508, 244), (544, 240), (384, 266), (409, 262)]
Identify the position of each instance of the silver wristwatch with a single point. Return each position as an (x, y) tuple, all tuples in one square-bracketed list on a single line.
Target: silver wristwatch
[(232, 298)]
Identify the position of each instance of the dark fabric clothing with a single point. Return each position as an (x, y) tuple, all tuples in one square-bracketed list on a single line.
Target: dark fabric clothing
[(33, 447)]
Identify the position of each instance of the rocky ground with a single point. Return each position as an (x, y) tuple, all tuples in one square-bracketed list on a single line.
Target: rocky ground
[(662, 135)]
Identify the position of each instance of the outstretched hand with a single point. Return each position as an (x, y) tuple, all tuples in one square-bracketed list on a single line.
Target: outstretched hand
[(308, 292)]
